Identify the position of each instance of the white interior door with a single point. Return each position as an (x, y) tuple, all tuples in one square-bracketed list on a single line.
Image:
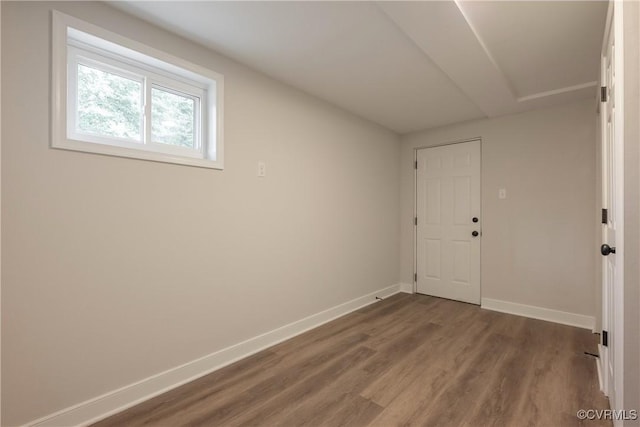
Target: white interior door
[(448, 222), (609, 228), (612, 199)]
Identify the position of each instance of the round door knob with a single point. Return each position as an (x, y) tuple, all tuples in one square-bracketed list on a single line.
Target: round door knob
[(475, 233), (606, 250), (474, 219)]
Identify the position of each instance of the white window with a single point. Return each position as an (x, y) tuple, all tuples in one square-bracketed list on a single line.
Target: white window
[(114, 96)]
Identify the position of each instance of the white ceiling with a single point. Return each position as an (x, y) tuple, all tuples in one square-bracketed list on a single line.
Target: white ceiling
[(565, 49), (405, 65)]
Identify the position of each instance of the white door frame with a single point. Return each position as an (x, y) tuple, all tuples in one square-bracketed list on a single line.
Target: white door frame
[(615, 391), (415, 205)]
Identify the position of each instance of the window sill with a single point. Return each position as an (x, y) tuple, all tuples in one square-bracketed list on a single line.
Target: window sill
[(111, 150)]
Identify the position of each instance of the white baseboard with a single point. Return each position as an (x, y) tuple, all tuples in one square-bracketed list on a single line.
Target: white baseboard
[(110, 403), (563, 317)]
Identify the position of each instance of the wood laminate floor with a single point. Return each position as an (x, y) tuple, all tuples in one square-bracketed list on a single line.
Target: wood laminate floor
[(407, 360)]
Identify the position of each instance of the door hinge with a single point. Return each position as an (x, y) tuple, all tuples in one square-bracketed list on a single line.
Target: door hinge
[(415, 277), (605, 216), (605, 338), (415, 220), (415, 164), (603, 94)]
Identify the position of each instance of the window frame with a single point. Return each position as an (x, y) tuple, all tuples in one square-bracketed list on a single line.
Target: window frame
[(77, 42), (75, 58)]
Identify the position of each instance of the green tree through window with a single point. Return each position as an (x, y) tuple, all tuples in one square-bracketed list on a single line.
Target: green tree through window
[(109, 104), (172, 118)]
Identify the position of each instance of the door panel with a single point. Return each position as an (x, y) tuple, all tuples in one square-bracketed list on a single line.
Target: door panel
[(462, 199), (432, 201), (448, 197), (432, 252), (461, 261)]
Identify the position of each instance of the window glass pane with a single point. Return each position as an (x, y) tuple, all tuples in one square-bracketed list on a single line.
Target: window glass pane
[(109, 104), (172, 118)]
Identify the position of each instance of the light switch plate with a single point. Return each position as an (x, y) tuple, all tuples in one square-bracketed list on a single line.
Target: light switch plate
[(262, 169), (502, 193)]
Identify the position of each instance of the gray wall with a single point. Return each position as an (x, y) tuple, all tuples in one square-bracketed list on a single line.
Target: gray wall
[(116, 269), (538, 244)]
